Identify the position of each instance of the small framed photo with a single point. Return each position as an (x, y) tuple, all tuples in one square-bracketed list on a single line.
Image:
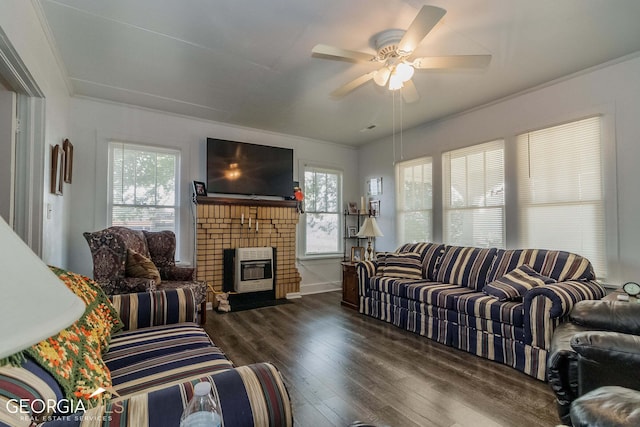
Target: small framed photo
[(352, 231), (199, 188), (352, 208), (357, 253), (374, 207)]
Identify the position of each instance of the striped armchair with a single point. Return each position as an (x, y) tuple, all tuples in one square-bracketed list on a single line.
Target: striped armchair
[(503, 305), (149, 366)]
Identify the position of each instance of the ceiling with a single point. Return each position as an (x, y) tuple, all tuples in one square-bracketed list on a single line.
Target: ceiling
[(249, 63)]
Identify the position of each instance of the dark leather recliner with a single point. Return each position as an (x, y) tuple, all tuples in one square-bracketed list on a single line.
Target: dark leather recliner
[(598, 347)]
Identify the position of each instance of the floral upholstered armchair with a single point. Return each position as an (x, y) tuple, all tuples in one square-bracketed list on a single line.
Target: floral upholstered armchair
[(127, 261)]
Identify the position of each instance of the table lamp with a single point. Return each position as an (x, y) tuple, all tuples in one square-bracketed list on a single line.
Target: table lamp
[(369, 229), (35, 304)]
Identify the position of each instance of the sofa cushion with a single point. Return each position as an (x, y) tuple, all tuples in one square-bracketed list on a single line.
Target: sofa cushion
[(559, 265), (516, 283), (466, 266), (434, 293), (407, 265), (430, 254), (478, 304), (149, 358), (139, 265)]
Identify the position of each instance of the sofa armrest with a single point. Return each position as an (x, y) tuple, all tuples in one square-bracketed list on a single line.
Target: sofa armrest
[(607, 358), (616, 316), (545, 307), (562, 368), (365, 270), (181, 274), (165, 307), (248, 396)]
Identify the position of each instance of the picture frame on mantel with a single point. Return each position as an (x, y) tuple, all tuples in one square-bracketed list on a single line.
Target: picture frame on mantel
[(199, 188)]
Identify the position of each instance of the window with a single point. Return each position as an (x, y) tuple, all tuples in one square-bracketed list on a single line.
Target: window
[(560, 190), (323, 188), (473, 195), (143, 183), (414, 200)]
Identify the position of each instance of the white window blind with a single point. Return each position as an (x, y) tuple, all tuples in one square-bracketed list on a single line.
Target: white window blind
[(560, 190), (143, 183), (473, 195), (322, 188), (414, 205)]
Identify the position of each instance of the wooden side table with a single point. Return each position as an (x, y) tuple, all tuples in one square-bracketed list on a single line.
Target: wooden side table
[(350, 286)]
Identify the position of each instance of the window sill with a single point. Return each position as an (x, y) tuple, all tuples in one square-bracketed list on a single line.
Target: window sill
[(319, 257)]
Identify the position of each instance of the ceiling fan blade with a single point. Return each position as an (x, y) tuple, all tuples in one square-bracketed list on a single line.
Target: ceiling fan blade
[(332, 52), (409, 92), (343, 90), (426, 19), (458, 61)]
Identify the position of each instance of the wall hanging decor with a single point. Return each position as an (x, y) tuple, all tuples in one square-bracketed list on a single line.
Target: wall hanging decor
[(67, 147), (57, 169)]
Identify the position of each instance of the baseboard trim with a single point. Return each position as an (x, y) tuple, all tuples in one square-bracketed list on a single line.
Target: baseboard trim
[(320, 288), (293, 295)]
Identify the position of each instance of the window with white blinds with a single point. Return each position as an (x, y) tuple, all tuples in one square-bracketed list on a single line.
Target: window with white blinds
[(473, 195), (143, 183), (322, 188), (414, 206), (560, 190)]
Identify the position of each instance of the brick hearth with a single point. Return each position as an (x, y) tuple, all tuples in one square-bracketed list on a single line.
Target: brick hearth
[(219, 227)]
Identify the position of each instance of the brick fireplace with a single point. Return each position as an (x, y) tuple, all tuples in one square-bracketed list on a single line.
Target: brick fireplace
[(223, 223)]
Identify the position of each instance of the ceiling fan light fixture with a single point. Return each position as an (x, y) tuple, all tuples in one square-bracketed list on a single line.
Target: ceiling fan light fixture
[(395, 81), (404, 71), (382, 76)]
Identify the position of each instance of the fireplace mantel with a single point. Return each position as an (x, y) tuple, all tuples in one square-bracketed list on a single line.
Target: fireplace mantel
[(223, 223), (229, 201)]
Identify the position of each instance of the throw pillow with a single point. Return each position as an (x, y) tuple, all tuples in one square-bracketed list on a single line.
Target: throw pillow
[(381, 260), (406, 265), (139, 265), (516, 283)]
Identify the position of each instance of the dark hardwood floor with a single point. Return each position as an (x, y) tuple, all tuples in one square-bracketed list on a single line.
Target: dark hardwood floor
[(340, 366)]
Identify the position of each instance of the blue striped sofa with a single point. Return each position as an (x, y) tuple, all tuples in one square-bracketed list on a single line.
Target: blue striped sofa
[(446, 302), (154, 364)]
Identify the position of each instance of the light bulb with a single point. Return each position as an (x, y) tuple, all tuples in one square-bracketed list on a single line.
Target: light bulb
[(404, 71), (395, 82), (382, 76)]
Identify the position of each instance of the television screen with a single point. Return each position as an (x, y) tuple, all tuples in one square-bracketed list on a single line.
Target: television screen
[(251, 169)]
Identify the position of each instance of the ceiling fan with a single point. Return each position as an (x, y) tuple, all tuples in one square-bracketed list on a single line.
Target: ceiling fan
[(394, 49)]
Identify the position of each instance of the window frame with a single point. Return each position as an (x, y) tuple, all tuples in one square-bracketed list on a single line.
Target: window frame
[(400, 167), (607, 194), (303, 254), (465, 152), (112, 146)]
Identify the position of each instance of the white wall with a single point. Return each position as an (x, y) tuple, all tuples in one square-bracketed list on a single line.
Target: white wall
[(19, 21), (95, 123), (613, 91)]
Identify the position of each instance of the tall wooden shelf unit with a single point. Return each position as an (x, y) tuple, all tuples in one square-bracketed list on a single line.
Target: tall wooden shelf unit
[(351, 220)]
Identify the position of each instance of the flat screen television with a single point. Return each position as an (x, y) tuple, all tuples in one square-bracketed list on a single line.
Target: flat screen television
[(250, 169)]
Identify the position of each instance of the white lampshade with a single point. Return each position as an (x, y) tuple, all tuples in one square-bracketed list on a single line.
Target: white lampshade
[(35, 304), (370, 229)]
